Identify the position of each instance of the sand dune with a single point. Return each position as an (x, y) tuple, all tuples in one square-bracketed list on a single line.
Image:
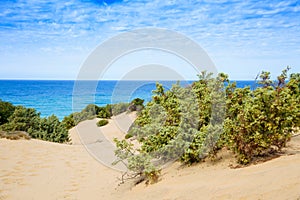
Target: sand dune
[(33, 169)]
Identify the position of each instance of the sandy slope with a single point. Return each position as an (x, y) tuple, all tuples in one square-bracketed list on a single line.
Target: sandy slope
[(275, 179), (41, 170)]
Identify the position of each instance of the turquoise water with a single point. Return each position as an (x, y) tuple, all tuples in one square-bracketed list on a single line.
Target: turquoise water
[(64, 97)]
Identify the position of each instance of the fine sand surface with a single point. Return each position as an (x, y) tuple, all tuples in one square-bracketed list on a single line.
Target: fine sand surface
[(33, 169)]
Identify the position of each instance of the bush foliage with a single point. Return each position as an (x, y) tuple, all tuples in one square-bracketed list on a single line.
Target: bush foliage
[(260, 121), (29, 121), (102, 122), (195, 122), (6, 110), (138, 164)]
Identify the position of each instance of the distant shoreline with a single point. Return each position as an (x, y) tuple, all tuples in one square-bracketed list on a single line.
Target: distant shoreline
[(56, 96)]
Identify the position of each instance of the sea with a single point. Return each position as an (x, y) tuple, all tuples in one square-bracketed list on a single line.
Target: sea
[(62, 97)]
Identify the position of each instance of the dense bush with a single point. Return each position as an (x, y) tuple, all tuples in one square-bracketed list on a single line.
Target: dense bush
[(69, 121), (195, 122), (50, 129), (211, 109), (22, 119), (260, 122), (29, 121), (183, 122), (293, 89), (105, 112), (169, 126), (102, 122), (6, 110)]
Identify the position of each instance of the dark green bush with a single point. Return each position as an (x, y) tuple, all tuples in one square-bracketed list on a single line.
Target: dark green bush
[(22, 119), (68, 121), (28, 120), (137, 101), (128, 135), (6, 110), (105, 112), (102, 122), (51, 129)]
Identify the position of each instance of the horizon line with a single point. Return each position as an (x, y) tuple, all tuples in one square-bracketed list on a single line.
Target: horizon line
[(26, 79)]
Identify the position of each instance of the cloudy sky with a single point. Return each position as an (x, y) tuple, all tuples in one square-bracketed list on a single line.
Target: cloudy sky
[(50, 39)]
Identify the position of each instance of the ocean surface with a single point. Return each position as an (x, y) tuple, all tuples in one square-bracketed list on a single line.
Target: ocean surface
[(61, 98)]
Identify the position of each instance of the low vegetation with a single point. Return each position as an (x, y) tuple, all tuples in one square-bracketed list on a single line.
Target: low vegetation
[(21, 122), (14, 135), (6, 110), (195, 122), (138, 164), (16, 119), (102, 122), (92, 111), (27, 123)]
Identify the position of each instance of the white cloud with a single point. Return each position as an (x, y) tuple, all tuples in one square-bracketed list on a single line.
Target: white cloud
[(223, 27)]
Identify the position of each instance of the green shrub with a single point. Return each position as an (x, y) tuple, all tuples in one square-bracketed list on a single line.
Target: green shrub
[(105, 112), (119, 108), (137, 101), (176, 124), (29, 121), (293, 89), (6, 110), (68, 121), (22, 119), (51, 129), (260, 122), (102, 122), (128, 135), (137, 164), (183, 122), (136, 105), (168, 128)]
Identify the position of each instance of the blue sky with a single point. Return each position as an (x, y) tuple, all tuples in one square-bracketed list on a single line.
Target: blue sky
[(50, 39)]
